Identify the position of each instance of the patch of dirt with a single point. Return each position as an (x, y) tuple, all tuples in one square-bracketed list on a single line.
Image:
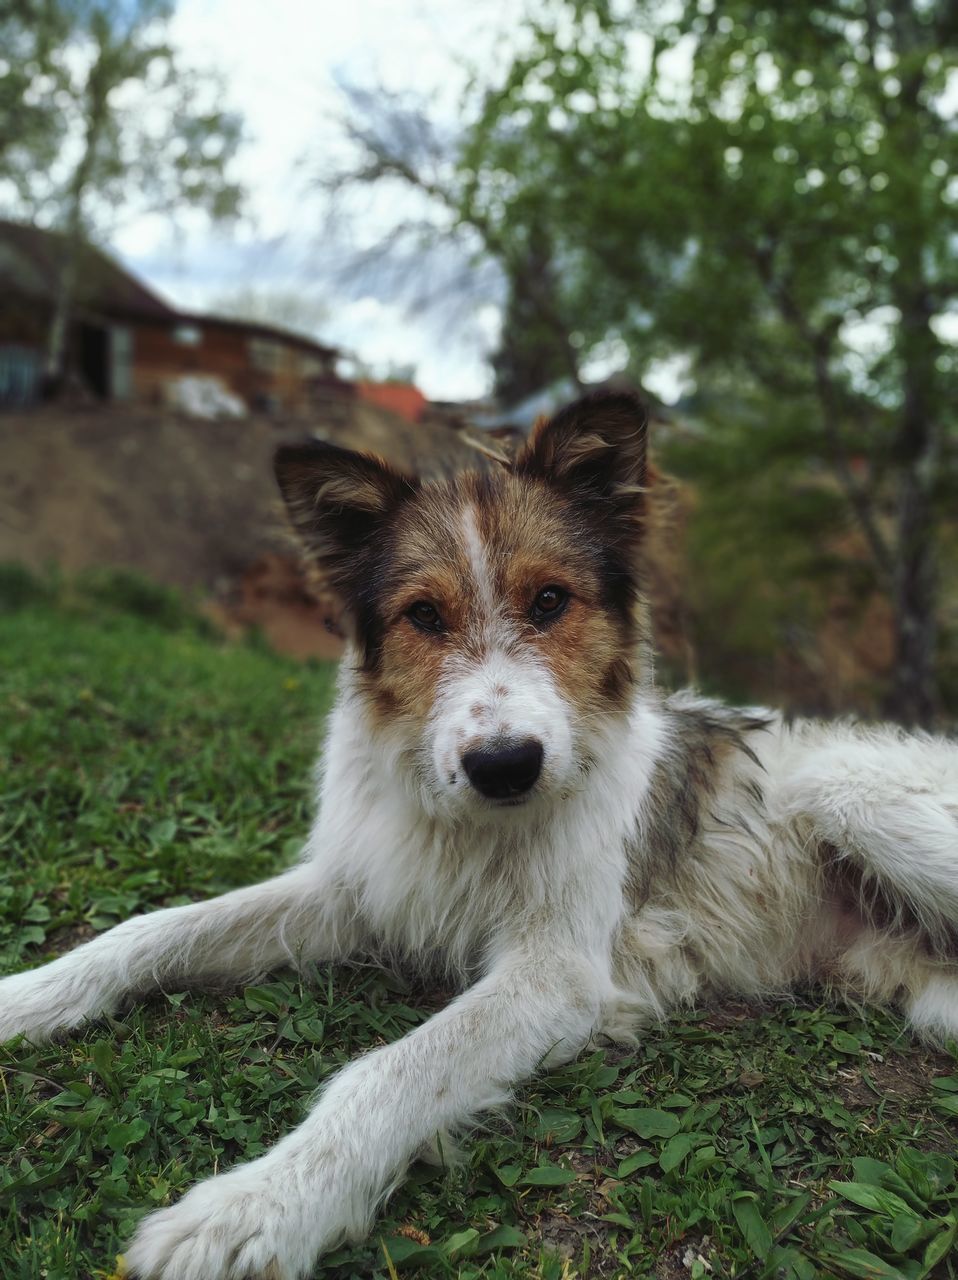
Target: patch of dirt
[(902, 1077), (564, 1235), (63, 940), (187, 503), (676, 1263), (731, 1013), (294, 615)]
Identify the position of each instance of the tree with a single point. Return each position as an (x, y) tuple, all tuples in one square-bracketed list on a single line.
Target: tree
[(286, 306), (122, 124), (30, 32), (767, 190), (397, 146)]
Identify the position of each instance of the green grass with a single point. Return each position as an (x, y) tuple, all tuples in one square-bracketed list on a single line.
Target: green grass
[(142, 763)]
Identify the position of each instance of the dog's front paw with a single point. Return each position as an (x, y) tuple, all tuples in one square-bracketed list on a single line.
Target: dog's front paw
[(622, 1018), (253, 1223)]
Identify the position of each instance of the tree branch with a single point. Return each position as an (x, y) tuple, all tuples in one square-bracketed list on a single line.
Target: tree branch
[(380, 160), (818, 344)]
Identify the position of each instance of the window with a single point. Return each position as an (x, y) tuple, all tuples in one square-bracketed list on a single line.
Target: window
[(311, 366), (265, 356)]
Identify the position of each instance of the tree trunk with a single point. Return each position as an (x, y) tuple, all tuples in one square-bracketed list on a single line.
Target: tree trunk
[(914, 694), (57, 334), (95, 100)]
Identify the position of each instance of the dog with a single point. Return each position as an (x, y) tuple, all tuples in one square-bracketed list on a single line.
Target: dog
[(506, 793)]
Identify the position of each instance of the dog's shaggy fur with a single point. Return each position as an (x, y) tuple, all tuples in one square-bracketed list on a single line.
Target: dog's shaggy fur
[(504, 792)]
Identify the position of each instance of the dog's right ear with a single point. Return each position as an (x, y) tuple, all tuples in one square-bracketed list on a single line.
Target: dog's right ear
[(339, 503)]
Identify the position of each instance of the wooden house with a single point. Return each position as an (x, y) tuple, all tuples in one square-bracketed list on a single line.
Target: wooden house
[(125, 342)]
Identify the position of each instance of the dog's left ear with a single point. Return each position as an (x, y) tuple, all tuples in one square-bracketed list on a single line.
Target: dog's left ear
[(594, 450)]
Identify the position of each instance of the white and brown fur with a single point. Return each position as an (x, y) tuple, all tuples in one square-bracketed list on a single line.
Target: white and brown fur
[(669, 848)]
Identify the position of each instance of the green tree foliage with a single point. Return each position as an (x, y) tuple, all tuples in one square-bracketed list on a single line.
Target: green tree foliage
[(30, 31), (97, 114), (287, 307)]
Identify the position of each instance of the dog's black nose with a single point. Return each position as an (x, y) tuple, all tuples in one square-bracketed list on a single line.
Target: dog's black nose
[(503, 772)]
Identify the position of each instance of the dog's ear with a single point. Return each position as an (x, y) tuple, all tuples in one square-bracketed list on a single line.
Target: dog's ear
[(594, 450), (339, 503)]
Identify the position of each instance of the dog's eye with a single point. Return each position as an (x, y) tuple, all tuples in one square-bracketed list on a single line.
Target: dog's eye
[(549, 603), (425, 616)]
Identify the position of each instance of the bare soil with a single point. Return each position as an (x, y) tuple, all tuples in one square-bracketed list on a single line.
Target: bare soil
[(188, 503)]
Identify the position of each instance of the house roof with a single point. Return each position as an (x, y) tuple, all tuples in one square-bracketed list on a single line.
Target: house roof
[(257, 329), (401, 398), (30, 260)]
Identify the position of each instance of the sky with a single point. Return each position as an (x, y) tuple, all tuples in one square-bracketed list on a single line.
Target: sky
[(281, 62)]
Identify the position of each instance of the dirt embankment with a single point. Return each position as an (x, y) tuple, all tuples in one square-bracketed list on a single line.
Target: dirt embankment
[(194, 504), (188, 503)]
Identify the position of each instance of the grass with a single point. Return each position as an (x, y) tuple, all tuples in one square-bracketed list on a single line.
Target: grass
[(142, 763)]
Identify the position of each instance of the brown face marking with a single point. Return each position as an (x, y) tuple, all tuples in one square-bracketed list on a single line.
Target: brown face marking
[(425, 562), (385, 700), (617, 679)]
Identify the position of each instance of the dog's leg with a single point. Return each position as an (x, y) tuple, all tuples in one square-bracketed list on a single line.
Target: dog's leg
[(889, 804), (932, 1009), (232, 937), (323, 1182)]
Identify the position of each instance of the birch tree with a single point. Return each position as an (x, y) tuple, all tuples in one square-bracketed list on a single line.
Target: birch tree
[(120, 125)]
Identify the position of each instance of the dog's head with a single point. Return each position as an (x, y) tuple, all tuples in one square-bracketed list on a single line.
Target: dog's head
[(496, 618)]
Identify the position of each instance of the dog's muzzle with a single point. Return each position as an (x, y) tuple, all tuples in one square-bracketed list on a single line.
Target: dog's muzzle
[(504, 772)]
